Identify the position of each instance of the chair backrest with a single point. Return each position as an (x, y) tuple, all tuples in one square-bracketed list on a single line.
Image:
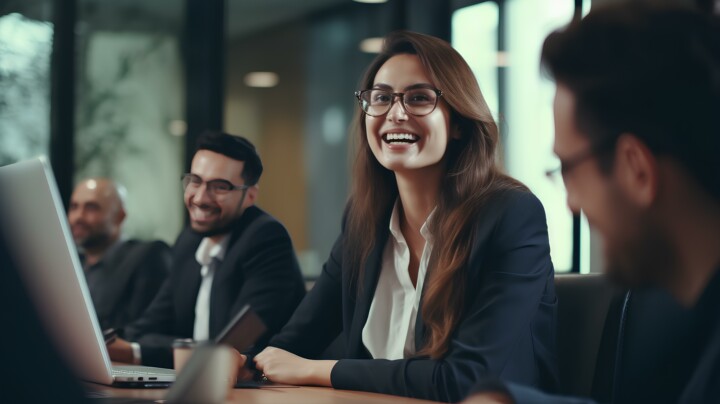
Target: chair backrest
[(589, 318), (624, 347)]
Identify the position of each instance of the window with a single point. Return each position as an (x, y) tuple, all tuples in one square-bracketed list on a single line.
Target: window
[(521, 98), (130, 108), (25, 50)]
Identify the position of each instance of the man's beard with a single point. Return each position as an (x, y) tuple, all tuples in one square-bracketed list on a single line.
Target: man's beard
[(214, 232), (94, 241), (646, 258), (221, 229)]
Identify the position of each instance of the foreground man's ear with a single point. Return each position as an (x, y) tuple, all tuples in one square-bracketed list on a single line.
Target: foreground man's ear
[(636, 170)]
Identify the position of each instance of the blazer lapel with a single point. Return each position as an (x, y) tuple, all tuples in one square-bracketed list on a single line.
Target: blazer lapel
[(373, 266), (419, 323), (230, 272), (219, 306), (186, 291)]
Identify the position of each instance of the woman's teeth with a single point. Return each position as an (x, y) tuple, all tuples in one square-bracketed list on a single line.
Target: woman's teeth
[(400, 138)]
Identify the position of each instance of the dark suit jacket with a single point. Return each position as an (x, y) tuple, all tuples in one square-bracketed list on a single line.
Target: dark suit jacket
[(259, 268), (700, 385), (130, 277), (507, 329)]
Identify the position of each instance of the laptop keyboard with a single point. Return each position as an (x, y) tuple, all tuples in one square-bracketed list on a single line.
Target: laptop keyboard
[(144, 372)]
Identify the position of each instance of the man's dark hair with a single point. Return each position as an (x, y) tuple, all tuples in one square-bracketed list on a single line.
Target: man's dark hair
[(235, 147), (649, 70)]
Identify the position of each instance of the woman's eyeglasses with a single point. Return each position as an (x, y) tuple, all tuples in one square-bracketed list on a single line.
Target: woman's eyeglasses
[(417, 101)]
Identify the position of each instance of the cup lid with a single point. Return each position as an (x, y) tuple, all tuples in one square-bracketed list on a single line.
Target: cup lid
[(184, 343)]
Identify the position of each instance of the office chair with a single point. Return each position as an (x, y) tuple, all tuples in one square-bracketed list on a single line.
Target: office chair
[(589, 318)]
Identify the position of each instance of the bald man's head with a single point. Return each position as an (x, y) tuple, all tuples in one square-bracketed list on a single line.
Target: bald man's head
[(96, 213)]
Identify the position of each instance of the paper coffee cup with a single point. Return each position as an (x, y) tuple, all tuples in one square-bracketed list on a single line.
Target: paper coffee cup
[(182, 350)]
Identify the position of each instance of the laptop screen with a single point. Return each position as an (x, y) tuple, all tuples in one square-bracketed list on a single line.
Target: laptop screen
[(36, 229), (24, 346)]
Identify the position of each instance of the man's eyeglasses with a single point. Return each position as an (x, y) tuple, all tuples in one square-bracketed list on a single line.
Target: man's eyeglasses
[(418, 101), (569, 164), (214, 187)]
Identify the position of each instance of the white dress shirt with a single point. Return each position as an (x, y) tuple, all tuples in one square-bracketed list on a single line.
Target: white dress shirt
[(389, 332), (209, 254)]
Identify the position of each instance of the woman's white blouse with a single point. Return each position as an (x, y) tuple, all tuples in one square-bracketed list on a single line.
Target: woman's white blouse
[(389, 332)]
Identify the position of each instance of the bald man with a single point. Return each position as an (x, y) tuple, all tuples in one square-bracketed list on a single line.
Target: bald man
[(123, 275)]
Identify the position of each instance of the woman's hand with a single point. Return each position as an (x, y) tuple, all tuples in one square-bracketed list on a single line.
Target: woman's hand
[(281, 366), (243, 373), (488, 398)]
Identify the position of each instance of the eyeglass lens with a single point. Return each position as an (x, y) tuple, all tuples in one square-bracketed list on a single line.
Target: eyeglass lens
[(420, 101), (216, 187)]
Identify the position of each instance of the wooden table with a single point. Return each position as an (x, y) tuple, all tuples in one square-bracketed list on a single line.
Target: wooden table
[(273, 395)]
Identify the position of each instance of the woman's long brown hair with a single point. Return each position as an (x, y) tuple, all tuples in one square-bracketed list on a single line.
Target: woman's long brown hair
[(472, 174)]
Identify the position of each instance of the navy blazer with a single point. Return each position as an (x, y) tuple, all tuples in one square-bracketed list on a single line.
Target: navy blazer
[(260, 268), (507, 329)]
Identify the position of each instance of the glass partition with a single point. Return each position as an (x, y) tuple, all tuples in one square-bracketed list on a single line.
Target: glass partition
[(25, 48), (130, 108), (512, 74)]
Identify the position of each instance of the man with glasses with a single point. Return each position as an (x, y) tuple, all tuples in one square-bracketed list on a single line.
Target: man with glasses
[(638, 135), (231, 254)]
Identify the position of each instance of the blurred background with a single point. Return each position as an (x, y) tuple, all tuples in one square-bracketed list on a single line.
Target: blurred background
[(122, 88)]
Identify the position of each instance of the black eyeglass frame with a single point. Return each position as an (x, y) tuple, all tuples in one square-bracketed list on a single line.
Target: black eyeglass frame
[(401, 96), (188, 177), (603, 146)]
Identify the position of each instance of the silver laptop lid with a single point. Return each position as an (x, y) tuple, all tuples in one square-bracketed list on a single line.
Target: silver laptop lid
[(35, 224)]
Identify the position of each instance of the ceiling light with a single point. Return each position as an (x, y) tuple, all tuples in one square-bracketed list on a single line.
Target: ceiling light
[(261, 79), (371, 45), (371, 1), (177, 127)]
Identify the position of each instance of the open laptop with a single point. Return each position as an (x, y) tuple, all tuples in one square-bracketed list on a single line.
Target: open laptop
[(38, 234)]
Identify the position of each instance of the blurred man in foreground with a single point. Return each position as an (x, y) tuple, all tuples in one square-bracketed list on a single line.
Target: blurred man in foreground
[(637, 120)]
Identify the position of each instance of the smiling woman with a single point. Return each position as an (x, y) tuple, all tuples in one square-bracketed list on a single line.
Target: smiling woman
[(442, 275), (412, 134)]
